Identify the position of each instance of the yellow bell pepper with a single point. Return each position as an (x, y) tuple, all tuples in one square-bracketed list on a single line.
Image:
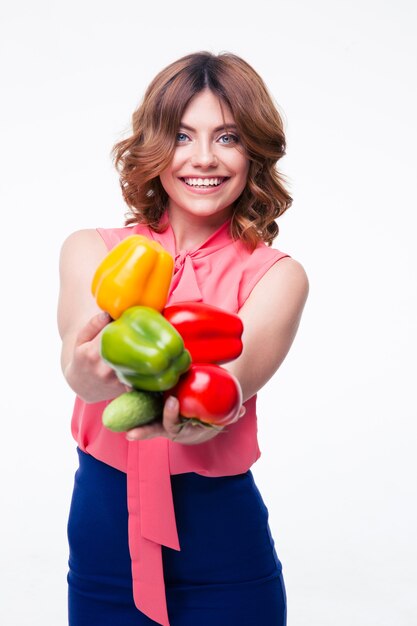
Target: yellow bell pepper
[(136, 272)]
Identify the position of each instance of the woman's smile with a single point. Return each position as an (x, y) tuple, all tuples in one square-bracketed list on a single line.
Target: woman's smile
[(204, 185)]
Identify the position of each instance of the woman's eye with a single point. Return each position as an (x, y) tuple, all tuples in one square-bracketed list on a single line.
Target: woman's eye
[(229, 138), (181, 137)]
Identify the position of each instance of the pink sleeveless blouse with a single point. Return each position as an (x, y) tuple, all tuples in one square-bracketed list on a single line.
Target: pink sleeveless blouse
[(221, 272)]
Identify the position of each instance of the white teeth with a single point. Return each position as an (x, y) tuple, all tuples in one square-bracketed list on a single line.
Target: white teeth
[(203, 182)]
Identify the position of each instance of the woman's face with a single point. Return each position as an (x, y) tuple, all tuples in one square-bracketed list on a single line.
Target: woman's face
[(210, 167)]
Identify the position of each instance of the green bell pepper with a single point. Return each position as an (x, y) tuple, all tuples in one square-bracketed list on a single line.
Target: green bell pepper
[(144, 349)]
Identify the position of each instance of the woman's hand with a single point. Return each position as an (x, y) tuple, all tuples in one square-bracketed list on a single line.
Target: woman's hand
[(86, 373), (173, 428)]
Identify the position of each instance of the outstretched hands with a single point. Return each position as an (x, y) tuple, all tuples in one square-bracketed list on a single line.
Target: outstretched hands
[(94, 379)]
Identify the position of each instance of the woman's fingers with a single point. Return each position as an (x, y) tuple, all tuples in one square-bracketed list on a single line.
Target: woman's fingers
[(93, 327), (148, 431), (171, 417)]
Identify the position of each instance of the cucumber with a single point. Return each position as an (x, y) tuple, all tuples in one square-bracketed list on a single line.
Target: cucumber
[(131, 409)]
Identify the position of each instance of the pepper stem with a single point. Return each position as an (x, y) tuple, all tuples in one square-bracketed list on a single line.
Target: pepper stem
[(196, 422)]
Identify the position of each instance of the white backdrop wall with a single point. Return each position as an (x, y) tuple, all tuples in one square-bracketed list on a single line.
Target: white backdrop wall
[(337, 423)]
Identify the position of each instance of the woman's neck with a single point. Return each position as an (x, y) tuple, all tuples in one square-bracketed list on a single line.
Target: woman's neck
[(190, 231)]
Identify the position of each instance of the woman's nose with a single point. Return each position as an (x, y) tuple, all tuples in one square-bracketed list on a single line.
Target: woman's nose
[(203, 155)]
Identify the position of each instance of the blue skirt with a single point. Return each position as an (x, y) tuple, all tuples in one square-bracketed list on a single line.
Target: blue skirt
[(226, 574)]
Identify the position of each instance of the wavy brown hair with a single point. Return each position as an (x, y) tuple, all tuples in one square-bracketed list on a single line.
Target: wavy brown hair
[(148, 151)]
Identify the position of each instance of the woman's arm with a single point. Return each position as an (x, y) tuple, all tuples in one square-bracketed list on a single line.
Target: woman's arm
[(271, 316), (80, 321)]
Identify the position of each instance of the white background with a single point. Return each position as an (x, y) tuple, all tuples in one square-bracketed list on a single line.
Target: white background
[(337, 423)]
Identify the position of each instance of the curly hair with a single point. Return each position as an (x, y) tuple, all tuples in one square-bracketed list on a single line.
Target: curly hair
[(141, 157)]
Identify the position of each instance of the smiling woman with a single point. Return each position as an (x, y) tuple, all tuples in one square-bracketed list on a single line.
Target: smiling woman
[(166, 524), (169, 123)]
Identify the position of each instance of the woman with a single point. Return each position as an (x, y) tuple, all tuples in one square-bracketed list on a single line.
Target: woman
[(198, 174)]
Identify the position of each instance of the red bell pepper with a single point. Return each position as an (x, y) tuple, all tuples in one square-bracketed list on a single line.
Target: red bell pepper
[(208, 395), (210, 334)]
